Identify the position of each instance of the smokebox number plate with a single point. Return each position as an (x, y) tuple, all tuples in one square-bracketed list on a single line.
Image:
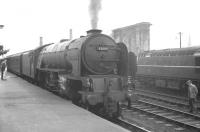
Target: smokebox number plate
[(102, 48)]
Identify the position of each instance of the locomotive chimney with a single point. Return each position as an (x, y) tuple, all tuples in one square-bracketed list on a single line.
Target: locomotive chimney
[(93, 31)]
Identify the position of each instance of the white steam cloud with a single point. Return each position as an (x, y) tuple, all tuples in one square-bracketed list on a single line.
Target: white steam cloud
[(94, 8)]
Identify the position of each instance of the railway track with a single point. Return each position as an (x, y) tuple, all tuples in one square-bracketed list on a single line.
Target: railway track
[(119, 121), (130, 126), (159, 118), (173, 101), (160, 112)]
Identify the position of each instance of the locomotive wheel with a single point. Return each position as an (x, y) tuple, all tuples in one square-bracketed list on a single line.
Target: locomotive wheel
[(101, 110), (61, 92), (129, 103), (41, 79), (118, 113), (66, 91), (87, 106), (46, 81), (74, 87), (75, 100)]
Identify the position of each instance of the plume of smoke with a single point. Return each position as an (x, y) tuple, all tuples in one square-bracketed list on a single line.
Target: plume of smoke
[(94, 8)]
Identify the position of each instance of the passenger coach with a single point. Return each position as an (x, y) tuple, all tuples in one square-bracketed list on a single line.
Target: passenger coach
[(169, 69)]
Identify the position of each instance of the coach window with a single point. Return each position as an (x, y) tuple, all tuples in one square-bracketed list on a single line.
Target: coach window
[(197, 61)]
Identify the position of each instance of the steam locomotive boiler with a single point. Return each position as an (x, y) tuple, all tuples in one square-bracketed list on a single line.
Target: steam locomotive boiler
[(91, 70)]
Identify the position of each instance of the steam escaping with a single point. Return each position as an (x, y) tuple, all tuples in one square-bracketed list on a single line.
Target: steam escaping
[(94, 8)]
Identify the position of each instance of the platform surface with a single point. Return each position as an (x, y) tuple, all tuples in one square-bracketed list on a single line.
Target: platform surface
[(27, 108)]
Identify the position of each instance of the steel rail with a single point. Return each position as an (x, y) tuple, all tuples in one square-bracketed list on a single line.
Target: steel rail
[(160, 113), (130, 126)]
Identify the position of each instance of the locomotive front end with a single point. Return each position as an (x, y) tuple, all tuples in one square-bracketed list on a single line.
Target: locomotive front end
[(106, 91), (99, 54), (104, 72)]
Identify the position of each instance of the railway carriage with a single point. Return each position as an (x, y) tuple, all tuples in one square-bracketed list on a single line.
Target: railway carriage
[(26, 61), (14, 63), (170, 68)]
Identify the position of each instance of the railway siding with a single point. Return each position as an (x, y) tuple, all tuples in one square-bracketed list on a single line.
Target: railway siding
[(158, 116), (167, 100)]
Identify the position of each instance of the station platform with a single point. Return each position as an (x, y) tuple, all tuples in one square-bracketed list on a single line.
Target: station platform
[(25, 107)]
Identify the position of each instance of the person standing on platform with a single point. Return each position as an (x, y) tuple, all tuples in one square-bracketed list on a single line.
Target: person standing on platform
[(192, 94), (5, 71), (3, 68)]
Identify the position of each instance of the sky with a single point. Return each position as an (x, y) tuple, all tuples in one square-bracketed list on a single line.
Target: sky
[(26, 20)]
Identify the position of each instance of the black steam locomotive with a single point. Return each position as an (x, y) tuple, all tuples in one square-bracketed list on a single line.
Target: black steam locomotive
[(91, 70), (169, 69)]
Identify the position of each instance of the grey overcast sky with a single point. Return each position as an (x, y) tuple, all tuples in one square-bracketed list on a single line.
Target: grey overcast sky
[(26, 20)]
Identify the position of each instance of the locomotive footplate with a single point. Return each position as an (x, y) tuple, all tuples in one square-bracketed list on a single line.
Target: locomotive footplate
[(100, 97)]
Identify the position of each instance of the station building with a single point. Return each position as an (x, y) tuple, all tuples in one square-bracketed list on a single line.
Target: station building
[(136, 37)]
